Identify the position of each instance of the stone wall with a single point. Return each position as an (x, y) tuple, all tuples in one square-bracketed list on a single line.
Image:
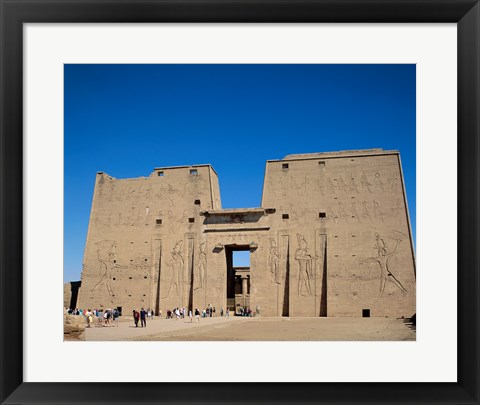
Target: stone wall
[(331, 238), (348, 228)]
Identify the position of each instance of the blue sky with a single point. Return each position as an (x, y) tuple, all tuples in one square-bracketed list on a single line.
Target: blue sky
[(127, 119)]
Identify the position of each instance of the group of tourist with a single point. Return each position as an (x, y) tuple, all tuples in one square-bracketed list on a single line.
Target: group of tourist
[(181, 313), (110, 317), (246, 311), (142, 317), (104, 317)]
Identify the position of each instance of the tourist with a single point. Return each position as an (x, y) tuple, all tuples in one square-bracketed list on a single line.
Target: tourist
[(143, 315), (214, 311), (89, 318), (221, 311), (136, 318), (197, 315), (116, 314), (149, 313), (160, 313), (190, 315), (227, 313)]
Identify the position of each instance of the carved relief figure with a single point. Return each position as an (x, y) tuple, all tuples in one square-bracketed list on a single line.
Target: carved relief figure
[(176, 263), (174, 221), (365, 213), (377, 211), (354, 210), (342, 186), (353, 185), (273, 263), (300, 187), (331, 215), (330, 186), (382, 259), (378, 181), (319, 186), (341, 211), (365, 184), (393, 182), (107, 256), (202, 265), (305, 267)]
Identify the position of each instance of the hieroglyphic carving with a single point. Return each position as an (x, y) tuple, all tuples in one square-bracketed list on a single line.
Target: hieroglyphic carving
[(382, 259), (202, 265), (365, 212), (176, 263), (273, 263), (305, 267), (139, 263)]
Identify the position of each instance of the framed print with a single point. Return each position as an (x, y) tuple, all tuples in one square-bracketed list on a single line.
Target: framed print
[(55, 57)]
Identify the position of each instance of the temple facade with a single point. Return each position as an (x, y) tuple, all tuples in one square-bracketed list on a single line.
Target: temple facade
[(332, 238)]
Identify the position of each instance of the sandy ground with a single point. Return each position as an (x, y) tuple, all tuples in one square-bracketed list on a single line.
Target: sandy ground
[(257, 329)]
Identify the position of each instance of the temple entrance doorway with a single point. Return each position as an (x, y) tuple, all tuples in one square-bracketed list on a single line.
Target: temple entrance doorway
[(238, 278)]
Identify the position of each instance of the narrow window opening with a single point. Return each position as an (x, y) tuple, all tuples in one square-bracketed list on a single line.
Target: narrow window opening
[(285, 216), (284, 166), (197, 202), (322, 215), (158, 222), (193, 172), (144, 277), (129, 278), (161, 174), (191, 220), (321, 164), (366, 313)]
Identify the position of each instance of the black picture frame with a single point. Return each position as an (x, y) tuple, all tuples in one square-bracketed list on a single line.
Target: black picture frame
[(465, 13)]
